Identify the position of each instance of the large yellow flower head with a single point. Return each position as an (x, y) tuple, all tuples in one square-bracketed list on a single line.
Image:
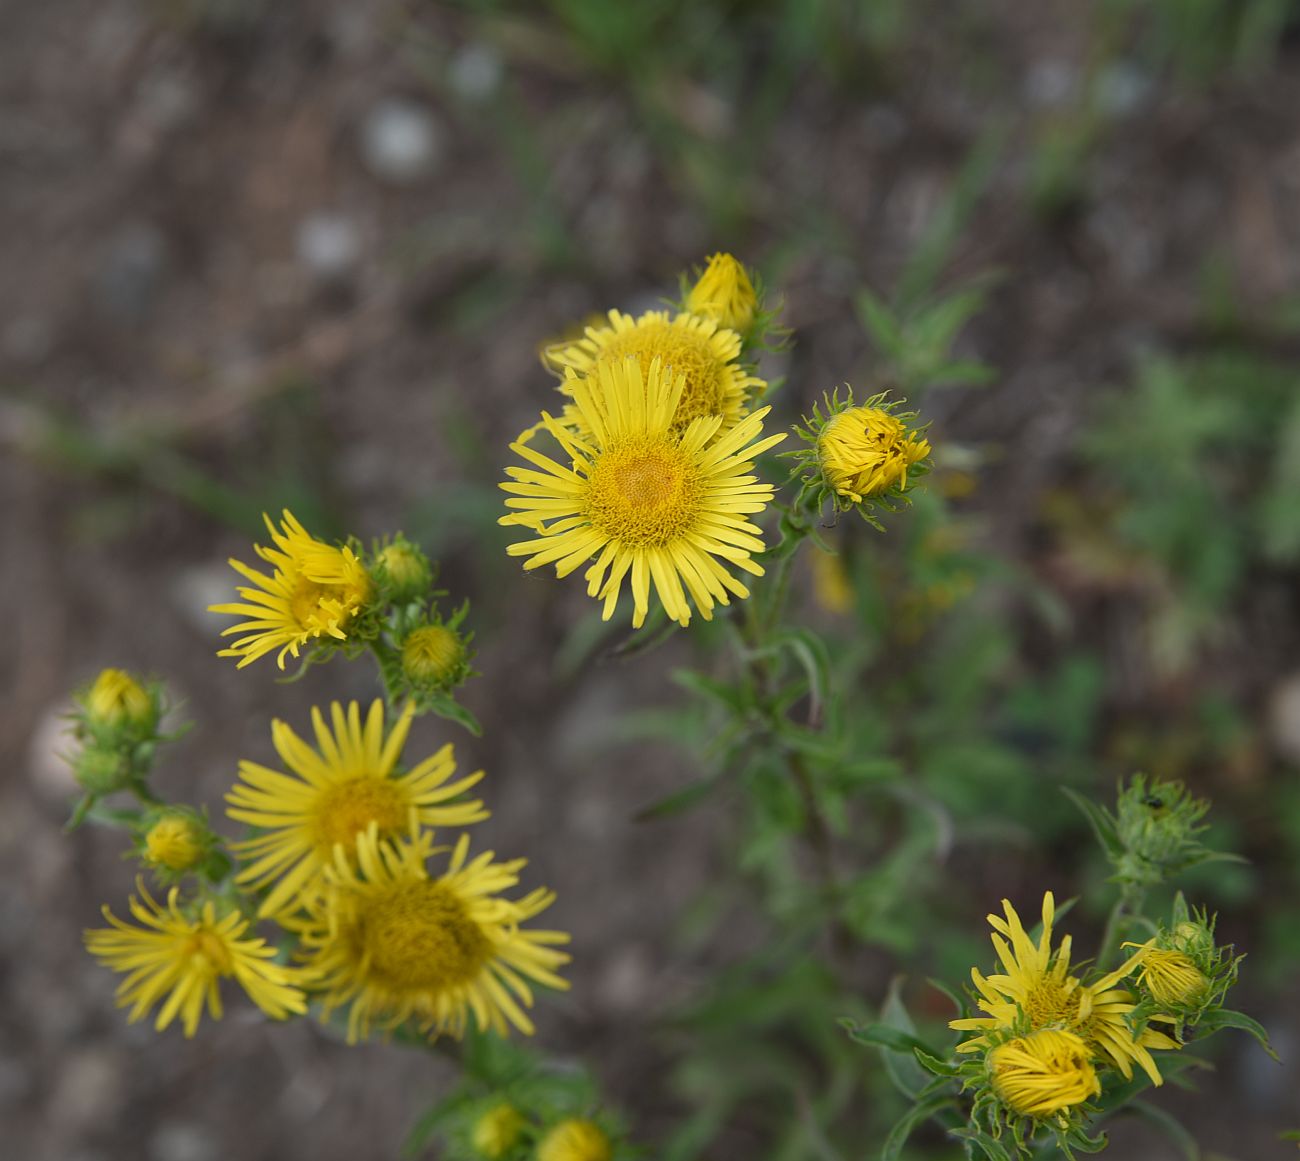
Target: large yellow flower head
[(646, 500), (866, 451), (336, 792), (396, 945), (575, 1140), (1036, 991), (725, 294), (314, 593), (177, 956), (699, 351), (1044, 1073)]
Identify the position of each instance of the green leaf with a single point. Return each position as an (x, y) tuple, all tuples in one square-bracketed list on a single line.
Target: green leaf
[(989, 1146), (1103, 826), (679, 800), (934, 1064), (737, 699), (1227, 1018), (908, 1076), (880, 323), (1171, 1126), (918, 1115), (811, 653), (885, 1036)]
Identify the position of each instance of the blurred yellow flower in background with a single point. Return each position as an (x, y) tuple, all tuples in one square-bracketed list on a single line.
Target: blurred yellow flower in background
[(177, 958), (575, 1140)]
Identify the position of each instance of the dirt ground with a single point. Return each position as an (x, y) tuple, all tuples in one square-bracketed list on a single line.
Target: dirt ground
[(291, 250)]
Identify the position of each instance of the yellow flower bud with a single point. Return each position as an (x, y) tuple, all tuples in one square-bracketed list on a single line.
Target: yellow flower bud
[(1172, 978), (117, 700), (1044, 1073), (725, 294), (496, 1132), (432, 656), (865, 451), (575, 1140), (406, 568), (175, 842)]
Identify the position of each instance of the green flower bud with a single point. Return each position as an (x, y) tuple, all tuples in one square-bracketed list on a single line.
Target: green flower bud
[(403, 570), (433, 657), (102, 771), (497, 1131)]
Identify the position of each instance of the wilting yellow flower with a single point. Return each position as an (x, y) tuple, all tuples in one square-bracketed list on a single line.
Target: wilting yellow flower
[(1037, 992), (865, 451), (644, 499), (695, 349), (432, 656), (181, 956), (497, 1131), (175, 842), (347, 785), (314, 592), (1170, 977), (1044, 1073), (725, 294), (117, 700), (397, 945), (575, 1140)]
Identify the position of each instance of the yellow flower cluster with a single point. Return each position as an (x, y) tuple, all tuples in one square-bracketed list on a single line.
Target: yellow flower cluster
[(653, 483), (1045, 1032), (341, 836)]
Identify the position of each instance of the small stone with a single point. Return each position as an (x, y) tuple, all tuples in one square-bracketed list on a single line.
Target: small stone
[(400, 141), (1284, 717), (52, 742), (131, 272), (328, 244), (182, 1141), (476, 71)]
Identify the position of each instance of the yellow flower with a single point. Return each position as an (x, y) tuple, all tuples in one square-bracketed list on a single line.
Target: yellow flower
[(175, 842), (432, 656), (1038, 992), (497, 1131), (642, 498), (181, 956), (575, 1140), (314, 592), (695, 349), (1044, 1073), (117, 700), (725, 294), (1170, 977), (865, 451), (396, 945), (339, 791)]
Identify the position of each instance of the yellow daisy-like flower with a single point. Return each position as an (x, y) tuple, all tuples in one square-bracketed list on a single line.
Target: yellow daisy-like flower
[(644, 499), (497, 1131), (696, 349), (181, 956), (397, 945), (1170, 977), (1044, 1073), (342, 788), (314, 592), (575, 1140), (864, 451), (725, 294), (1038, 992)]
